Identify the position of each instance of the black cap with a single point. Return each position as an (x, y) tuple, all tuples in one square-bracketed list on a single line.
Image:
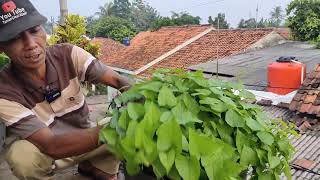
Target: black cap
[(17, 16)]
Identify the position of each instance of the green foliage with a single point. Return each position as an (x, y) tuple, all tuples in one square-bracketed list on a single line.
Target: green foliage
[(121, 8), (73, 32), (185, 126), (177, 19), (113, 27), (304, 20), (276, 17), (3, 60), (275, 20), (221, 18), (143, 15)]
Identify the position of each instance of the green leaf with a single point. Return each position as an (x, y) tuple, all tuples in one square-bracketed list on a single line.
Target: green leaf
[(166, 97), (174, 174), (185, 144), (225, 132), (253, 124), (265, 137), (152, 86), (274, 161), (248, 156), (234, 119), (151, 120), (188, 167), (135, 111), (169, 136), (266, 176), (228, 101), (215, 104), (166, 116), (132, 168), (241, 140), (167, 159), (182, 115), (108, 136), (216, 91), (200, 145), (124, 120), (191, 103), (150, 95), (247, 95), (158, 168), (203, 92)]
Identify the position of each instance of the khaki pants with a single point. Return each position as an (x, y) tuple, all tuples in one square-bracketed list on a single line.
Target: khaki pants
[(28, 163)]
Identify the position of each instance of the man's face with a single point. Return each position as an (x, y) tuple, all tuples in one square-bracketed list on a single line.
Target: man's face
[(27, 50)]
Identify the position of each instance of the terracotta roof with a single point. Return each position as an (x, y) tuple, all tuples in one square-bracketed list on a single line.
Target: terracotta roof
[(307, 99), (107, 46), (147, 46), (209, 47)]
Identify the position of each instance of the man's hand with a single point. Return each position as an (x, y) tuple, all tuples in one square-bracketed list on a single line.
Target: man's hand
[(114, 79), (65, 145)]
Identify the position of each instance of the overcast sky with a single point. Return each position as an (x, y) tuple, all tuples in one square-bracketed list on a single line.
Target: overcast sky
[(234, 9)]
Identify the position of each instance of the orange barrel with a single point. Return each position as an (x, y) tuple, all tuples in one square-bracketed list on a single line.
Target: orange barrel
[(285, 75)]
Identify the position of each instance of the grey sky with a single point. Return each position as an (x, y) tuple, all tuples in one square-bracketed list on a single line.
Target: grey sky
[(234, 9)]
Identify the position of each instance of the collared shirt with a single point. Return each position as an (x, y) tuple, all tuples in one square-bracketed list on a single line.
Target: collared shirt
[(23, 107)]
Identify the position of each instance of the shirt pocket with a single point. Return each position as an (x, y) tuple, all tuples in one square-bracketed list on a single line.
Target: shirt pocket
[(70, 100)]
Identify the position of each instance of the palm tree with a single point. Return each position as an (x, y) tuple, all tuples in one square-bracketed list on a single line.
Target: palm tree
[(276, 16), (105, 10)]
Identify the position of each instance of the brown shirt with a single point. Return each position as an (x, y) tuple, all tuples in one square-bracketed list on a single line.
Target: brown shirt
[(23, 107)]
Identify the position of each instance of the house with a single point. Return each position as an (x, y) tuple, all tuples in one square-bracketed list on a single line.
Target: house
[(183, 46)]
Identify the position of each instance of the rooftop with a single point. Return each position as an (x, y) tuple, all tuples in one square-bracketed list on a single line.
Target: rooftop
[(251, 67), (183, 46)]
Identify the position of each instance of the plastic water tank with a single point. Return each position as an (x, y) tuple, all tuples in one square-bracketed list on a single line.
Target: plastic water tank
[(285, 75)]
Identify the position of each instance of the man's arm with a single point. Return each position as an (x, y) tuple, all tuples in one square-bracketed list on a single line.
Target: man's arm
[(115, 80), (65, 145)]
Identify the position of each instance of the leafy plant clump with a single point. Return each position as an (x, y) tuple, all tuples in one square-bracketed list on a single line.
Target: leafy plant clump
[(184, 126)]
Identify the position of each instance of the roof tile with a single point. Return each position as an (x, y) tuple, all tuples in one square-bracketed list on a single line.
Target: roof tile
[(214, 45), (147, 46), (305, 108), (310, 103)]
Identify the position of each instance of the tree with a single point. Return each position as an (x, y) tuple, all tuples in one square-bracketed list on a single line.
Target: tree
[(304, 20), (143, 15), (276, 17), (73, 32), (249, 23), (113, 27), (221, 18), (177, 19), (121, 9), (106, 10)]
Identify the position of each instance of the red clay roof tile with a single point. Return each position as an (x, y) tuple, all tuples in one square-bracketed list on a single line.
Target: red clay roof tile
[(107, 46), (147, 46), (310, 87), (212, 46)]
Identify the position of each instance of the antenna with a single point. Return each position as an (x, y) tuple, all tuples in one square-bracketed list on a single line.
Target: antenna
[(257, 12)]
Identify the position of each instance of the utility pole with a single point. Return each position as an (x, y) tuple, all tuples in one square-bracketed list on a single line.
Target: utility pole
[(217, 75), (257, 12), (63, 10)]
